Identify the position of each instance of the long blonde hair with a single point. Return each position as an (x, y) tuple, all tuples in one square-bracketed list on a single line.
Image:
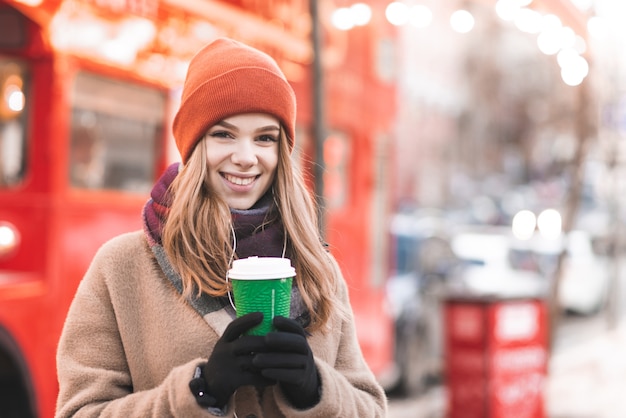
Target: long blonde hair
[(197, 234)]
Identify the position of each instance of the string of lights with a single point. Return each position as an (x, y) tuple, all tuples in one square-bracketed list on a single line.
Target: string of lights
[(552, 35)]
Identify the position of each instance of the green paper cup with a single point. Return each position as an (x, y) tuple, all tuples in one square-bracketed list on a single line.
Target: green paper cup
[(262, 284)]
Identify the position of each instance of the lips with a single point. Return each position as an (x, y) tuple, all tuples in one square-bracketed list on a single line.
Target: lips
[(239, 181)]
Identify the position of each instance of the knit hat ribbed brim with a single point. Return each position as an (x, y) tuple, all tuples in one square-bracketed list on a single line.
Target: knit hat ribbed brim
[(228, 78)]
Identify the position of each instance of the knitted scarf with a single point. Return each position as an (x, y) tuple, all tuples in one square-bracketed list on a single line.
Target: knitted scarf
[(257, 233)]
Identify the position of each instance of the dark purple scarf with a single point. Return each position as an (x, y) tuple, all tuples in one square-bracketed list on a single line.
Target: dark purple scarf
[(258, 231)]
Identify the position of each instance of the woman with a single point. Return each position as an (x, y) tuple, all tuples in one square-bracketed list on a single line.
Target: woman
[(151, 331)]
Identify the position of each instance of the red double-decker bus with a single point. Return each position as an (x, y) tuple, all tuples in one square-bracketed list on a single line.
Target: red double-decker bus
[(87, 92)]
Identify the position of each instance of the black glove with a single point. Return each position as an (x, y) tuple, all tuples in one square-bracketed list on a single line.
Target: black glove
[(288, 359), (230, 363)]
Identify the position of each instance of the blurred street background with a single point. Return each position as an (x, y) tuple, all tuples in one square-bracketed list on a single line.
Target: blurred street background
[(586, 377), (468, 157)]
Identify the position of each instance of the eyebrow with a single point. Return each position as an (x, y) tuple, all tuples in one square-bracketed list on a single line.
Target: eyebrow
[(261, 129)]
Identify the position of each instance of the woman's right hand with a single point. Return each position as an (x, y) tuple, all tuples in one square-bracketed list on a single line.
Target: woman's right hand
[(230, 363)]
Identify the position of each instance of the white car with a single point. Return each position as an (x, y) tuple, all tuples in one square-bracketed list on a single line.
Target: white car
[(585, 275), (487, 268)]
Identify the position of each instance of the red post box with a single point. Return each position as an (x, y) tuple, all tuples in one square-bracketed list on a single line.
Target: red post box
[(496, 357)]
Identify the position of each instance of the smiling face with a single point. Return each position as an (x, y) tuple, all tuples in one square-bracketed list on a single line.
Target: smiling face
[(242, 156)]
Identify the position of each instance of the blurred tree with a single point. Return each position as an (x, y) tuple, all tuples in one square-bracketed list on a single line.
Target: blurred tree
[(516, 108), (520, 109)]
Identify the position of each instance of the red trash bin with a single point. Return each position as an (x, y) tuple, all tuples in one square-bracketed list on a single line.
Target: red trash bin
[(496, 357)]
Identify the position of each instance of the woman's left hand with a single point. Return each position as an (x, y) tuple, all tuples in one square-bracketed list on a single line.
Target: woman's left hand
[(289, 360)]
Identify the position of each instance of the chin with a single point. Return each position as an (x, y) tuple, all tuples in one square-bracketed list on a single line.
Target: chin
[(240, 205)]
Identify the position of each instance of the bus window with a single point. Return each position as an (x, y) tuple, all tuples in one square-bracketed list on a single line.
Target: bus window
[(13, 84), (116, 131), (12, 29)]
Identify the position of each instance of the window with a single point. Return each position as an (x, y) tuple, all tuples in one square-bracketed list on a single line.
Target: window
[(116, 133), (13, 107), (12, 29)]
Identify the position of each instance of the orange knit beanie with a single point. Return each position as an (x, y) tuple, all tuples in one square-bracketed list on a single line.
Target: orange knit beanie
[(227, 78)]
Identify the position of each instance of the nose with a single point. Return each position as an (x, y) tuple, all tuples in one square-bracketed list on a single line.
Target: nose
[(244, 154)]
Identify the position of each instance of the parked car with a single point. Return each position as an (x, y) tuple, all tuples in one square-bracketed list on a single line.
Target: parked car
[(585, 275), (487, 268)]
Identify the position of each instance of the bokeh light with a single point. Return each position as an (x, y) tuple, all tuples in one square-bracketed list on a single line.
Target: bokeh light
[(397, 13), (523, 224), (420, 16), (342, 19), (462, 21), (361, 14), (549, 224)]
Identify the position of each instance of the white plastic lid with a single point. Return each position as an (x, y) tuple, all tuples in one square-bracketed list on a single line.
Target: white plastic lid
[(261, 268)]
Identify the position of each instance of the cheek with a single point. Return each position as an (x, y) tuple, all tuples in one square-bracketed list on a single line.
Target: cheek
[(212, 159), (215, 162), (212, 169), (271, 162), (274, 167)]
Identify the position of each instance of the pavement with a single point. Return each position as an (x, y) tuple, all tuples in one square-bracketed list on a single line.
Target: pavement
[(586, 379)]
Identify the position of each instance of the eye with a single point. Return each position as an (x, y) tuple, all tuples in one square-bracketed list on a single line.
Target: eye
[(220, 134), (267, 138)]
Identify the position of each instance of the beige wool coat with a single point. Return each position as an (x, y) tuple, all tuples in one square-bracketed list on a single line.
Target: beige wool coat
[(130, 345)]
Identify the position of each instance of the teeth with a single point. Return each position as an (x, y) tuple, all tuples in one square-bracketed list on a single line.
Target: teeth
[(240, 181)]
